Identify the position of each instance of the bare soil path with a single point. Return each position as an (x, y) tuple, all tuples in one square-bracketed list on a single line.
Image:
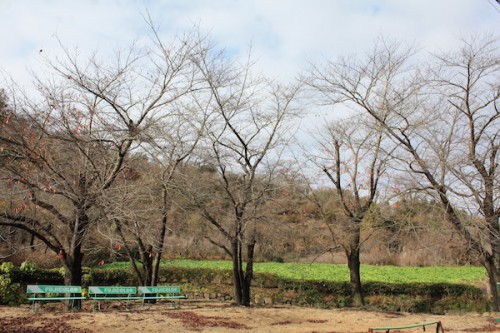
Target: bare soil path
[(202, 316)]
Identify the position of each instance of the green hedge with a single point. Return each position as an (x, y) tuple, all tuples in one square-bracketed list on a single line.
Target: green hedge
[(411, 297), (438, 290), (414, 297), (108, 277)]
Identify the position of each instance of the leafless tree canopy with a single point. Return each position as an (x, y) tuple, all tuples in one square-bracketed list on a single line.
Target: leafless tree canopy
[(444, 117)]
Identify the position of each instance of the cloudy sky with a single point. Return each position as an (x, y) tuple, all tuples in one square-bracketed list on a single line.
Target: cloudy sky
[(285, 34)]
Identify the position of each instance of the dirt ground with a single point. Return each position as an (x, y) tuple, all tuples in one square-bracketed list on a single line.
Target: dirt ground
[(203, 316)]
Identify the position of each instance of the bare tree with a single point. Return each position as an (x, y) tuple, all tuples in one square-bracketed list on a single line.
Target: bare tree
[(64, 149), (446, 121), (249, 118), (140, 210), (353, 159), (468, 85)]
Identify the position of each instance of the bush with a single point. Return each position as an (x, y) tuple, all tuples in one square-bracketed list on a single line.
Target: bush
[(10, 292), (7, 267), (27, 266), (40, 276), (109, 277)]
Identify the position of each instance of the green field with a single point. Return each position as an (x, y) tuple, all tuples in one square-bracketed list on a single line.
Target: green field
[(330, 272)]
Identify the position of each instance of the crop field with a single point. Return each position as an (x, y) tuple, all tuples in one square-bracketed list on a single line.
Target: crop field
[(335, 272)]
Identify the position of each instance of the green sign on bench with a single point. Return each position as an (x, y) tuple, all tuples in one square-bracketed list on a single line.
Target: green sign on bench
[(57, 291), (103, 293), (112, 290), (36, 289), (160, 292)]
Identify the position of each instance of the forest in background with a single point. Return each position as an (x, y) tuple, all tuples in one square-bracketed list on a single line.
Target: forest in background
[(294, 232)]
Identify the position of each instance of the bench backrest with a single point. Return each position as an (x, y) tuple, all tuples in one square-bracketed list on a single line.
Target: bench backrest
[(112, 290), (160, 290), (38, 289)]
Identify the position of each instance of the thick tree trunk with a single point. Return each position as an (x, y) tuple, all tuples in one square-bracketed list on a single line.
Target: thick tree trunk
[(247, 280), (237, 272), (242, 279), (147, 268), (493, 262), (73, 263), (493, 278), (245, 293), (147, 265), (146, 254), (73, 274), (354, 264)]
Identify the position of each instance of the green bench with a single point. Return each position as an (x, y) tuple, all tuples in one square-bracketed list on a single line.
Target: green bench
[(54, 293), (439, 327), (160, 292), (498, 285), (109, 293)]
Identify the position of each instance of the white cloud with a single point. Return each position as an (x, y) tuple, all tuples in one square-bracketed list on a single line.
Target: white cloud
[(284, 33)]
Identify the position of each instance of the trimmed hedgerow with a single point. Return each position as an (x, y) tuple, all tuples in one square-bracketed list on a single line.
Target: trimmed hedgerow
[(109, 277), (413, 297)]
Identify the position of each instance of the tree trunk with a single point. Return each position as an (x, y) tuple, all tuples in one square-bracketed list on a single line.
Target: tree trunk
[(493, 262), (73, 263), (242, 279), (73, 274), (161, 238), (354, 264), (147, 268), (247, 281), (146, 254), (237, 272), (493, 278), (147, 265)]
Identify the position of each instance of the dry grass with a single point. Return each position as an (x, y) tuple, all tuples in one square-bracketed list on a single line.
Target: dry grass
[(202, 316)]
